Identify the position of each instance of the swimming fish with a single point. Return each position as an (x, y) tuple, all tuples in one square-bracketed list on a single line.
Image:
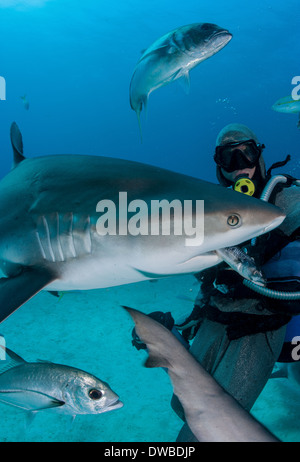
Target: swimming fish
[(171, 57), (49, 240), (44, 385), (242, 264), (212, 414), (288, 105), (25, 102)]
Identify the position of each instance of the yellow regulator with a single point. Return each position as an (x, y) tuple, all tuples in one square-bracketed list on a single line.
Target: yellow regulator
[(245, 186)]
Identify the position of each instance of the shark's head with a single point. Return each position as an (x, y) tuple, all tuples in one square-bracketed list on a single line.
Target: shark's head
[(236, 218)]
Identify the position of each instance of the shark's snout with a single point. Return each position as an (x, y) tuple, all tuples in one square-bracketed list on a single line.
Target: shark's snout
[(274, 223)]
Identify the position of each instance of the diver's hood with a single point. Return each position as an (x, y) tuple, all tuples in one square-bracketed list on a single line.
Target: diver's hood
[(233, 133)]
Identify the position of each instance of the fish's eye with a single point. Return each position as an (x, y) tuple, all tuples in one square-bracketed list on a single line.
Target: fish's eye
[(234, 220), (95, 394)]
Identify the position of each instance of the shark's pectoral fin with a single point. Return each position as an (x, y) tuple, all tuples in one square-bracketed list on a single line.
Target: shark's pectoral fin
[(15, 291)]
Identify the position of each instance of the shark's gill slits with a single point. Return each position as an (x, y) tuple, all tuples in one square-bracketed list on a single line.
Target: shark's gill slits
[(63, 236)]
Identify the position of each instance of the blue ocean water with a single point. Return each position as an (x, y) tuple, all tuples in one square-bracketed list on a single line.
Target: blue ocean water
[(73, 61)]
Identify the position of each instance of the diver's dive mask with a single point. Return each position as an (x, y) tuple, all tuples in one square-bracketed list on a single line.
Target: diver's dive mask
[(238, 155)]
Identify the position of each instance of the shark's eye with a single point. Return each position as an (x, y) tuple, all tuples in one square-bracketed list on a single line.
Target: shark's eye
[(234, 220), (95, 394)]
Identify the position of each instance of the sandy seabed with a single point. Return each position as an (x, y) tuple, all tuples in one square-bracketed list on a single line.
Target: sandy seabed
[(89, 330)]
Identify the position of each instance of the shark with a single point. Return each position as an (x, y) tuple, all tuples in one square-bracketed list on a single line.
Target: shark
[(49, 212), (211, 413)]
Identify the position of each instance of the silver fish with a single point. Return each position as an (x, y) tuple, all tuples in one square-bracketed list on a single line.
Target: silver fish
[(212, 414), (48, 224), (43, 385), (242, 264), (171, 57)]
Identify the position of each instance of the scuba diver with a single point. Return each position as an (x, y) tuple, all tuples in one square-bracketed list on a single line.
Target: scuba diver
[(240, 334), (236, 333)]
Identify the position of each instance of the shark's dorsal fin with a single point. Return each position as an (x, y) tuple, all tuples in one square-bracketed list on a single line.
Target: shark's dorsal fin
[(17, 143)]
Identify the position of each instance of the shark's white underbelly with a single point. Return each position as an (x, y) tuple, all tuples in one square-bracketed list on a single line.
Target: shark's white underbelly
[(91, 273)]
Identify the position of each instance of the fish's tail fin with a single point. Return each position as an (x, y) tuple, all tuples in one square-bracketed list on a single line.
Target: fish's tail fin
[(143, 104), (138, 114)]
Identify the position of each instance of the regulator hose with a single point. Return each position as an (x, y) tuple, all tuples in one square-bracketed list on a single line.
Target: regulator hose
[(277, 294)]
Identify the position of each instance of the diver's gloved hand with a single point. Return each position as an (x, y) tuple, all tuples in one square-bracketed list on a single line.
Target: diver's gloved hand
[(165, 319), (191, 324)]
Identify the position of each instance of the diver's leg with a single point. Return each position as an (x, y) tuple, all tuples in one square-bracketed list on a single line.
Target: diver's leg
[(242, 370)]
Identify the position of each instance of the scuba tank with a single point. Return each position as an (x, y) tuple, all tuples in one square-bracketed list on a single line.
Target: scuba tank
[(265, 196)]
